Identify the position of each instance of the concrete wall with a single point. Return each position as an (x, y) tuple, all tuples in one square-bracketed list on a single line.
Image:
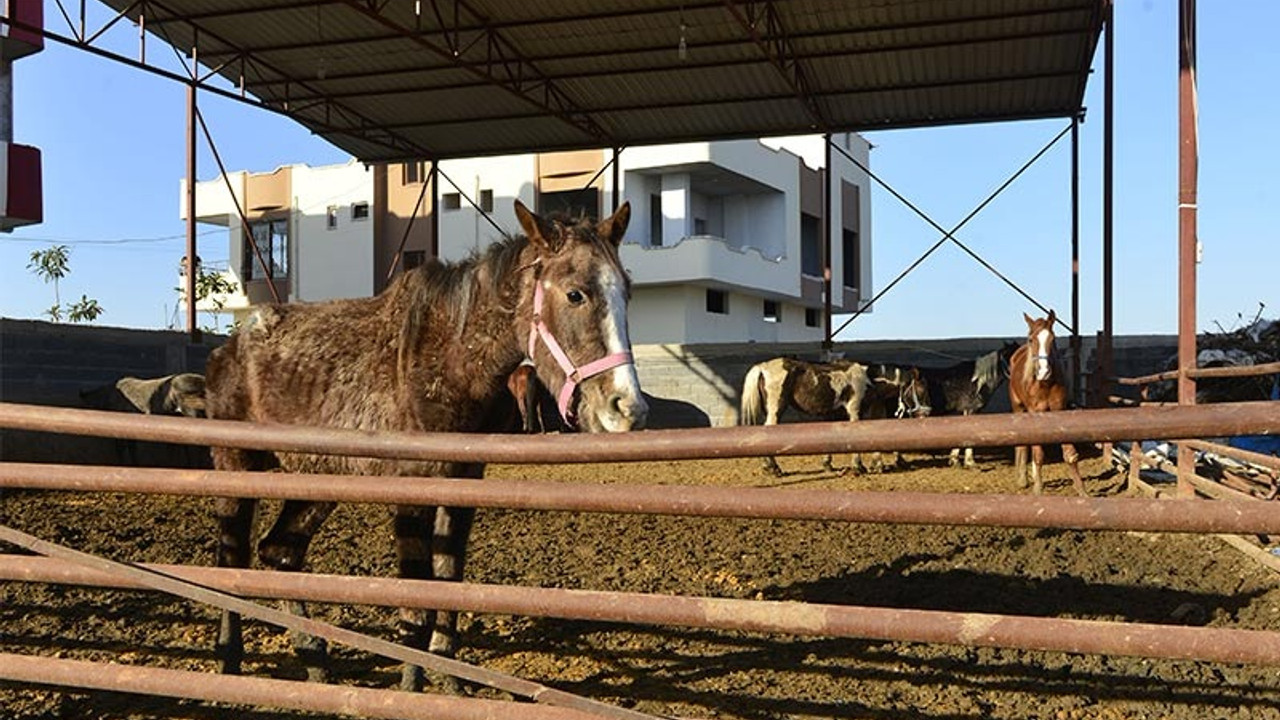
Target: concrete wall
[(49, 364), (691, 385)]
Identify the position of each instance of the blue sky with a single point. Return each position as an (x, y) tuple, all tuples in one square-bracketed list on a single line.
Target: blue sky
[(113, 144)]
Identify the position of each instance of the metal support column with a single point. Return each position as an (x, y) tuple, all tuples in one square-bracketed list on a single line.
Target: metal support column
[(1076, 368), (1187, 190), (1105, 367), (826, 248), (189, 274), (617, 180), (434, 179)]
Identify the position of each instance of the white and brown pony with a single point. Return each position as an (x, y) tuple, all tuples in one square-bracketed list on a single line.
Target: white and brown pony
[(1037, 383)]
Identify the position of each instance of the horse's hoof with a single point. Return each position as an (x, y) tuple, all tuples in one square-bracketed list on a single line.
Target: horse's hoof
[(411, 679)]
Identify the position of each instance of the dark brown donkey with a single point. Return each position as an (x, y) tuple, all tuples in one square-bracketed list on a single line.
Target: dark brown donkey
[(1038, 384), (431, 353)]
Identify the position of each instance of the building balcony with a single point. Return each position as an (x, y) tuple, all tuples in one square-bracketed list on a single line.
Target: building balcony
[(21, 36), (714, 261)]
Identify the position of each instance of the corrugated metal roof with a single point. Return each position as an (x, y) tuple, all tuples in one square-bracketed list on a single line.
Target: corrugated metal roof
[(478, 77)]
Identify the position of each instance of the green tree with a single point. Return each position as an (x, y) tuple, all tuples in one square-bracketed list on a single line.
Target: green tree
[(86, 309), (212, 286), (52, 265)]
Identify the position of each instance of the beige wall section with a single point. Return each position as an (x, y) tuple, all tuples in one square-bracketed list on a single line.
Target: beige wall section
[(570, 170), (394, 203), (268, 194)]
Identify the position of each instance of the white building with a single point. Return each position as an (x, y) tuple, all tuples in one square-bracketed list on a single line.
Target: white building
[(724, 245)]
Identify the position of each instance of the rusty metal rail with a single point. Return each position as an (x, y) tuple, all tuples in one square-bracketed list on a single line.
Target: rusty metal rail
[(996, 430), (793, 618), (1233, 371), (1114, 513), (282, 694)]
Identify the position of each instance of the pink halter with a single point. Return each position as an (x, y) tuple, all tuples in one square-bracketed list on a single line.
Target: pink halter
[(572, 374)]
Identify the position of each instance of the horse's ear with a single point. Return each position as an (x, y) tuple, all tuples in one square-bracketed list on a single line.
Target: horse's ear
[(615, 227), (1025, 316), (1051, 319), (540, 232)]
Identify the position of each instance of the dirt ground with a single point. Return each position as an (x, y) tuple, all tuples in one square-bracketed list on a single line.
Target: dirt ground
[(1125, 577)]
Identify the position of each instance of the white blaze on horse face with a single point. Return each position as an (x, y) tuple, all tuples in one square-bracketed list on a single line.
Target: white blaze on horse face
[(1042, 355), (631, 410)]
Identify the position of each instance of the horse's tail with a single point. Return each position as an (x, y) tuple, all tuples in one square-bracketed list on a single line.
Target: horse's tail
[(752, 403)]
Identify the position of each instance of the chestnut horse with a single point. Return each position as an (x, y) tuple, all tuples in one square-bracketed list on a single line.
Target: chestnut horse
[(431, 353), (1037, 383), (831, 391)]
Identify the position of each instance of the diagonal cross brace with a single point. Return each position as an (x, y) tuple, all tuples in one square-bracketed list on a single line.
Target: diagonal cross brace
[(225, 601)]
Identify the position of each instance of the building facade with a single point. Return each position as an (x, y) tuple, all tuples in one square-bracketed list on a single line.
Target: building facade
[(725, 243)]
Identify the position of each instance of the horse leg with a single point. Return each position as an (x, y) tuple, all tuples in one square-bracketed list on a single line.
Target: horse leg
[(448, 555), (953, 460), (1020, 463), (285, 548), (1037, 462), (235, 524), (413, 528), (969, 462), (1072, 459), (771, 418)]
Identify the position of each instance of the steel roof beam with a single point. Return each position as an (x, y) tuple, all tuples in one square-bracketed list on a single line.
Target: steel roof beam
[(780, 52), (498, 62), (241, 11), (396, 142), (586, 55), (613, 52), (756, 98)]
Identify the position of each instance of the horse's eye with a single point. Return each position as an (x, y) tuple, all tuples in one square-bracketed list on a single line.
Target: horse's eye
[(575, 297)]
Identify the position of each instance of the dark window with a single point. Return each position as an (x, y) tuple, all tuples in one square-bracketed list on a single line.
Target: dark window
[(717, 302), (272, 239), (360, 211), (852, 265), (413, 173), (486, 200), (810, 245), (699, 226), (772, 311), (451, 201), (573, 203), (655, 220), (811, 317), (414, 258)]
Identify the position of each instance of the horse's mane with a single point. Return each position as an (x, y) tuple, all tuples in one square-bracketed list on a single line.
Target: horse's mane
[(986, 371)]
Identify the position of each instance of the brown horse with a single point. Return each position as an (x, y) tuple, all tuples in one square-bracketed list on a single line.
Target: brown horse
[(1038, 384), (433, 352), (831, 391)]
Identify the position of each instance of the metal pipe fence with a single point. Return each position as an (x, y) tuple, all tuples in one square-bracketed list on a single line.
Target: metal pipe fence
[(1107, 425)]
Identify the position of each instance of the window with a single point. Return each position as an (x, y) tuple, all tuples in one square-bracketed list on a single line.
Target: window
[(414, 258), (413, 173), (717, 302), (772, 312), (810, 245), (850, 264), (360, 211), (486, 200), (699, 226), (811, 317), (451, 201), (655, 220), (272, 239), (573, 203), (331, 217)]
